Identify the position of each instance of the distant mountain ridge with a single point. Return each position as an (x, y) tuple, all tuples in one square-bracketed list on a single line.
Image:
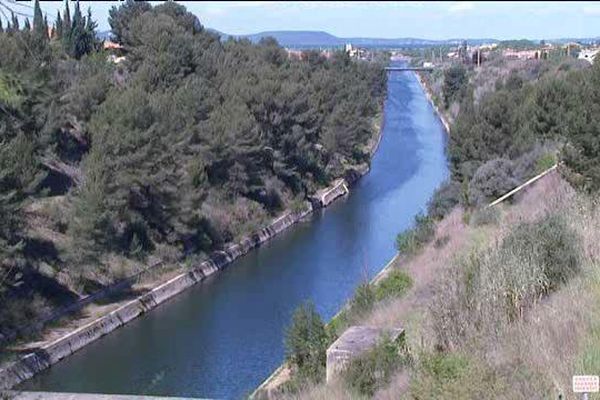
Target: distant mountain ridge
[(316, 39), (302, 39)]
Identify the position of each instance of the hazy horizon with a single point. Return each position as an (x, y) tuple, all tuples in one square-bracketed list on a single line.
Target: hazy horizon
[(387, 20)]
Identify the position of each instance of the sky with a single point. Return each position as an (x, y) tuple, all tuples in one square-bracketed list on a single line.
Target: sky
[(427, 20)]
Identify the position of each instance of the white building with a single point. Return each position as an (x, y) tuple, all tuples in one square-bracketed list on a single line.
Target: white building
[(588, 54)]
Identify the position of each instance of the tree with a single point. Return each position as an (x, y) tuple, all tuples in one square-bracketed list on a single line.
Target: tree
[(67, 20), (58, 26), (492, 180), (40, 28), (455, 84), (15, 22), (306, 342), (80, 39), (120, 18)]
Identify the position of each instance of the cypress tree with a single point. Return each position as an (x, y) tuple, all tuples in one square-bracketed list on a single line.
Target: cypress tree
[(39, 27), (27, 25), (67, 20), (15, 22), (1, 27), (58, 26)]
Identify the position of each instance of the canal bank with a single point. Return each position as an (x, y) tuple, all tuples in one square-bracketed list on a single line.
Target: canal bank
[(283, 373), (222, 338)]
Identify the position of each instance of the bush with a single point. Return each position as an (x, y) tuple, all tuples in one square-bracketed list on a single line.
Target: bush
[(441, 242), (411, 241), (445, 198), (485, 216), (492, 180), (306, 343), (455, 84), (394, 285), (373, 370), (19, 312), (491, 287), (550, 242), (363, 300)]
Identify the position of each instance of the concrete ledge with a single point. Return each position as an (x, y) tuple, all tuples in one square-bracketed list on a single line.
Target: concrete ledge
[(354, 342), (325, 197)]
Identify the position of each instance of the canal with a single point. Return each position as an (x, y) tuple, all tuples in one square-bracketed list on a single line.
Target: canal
[(222, 338)]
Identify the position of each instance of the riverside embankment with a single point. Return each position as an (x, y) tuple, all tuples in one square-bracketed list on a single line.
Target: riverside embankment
[(52, 351), (282, 374), (222, 338)]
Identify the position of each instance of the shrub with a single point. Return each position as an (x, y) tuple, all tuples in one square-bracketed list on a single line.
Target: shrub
[(485, 216), (373, 369), (550, 242), (445, 198), (491, 287), (455, 83), (21, 311), (441, 242), (363, 299), (411, 241), (394, 285), (454, 376), (492, 180), (306, 343)]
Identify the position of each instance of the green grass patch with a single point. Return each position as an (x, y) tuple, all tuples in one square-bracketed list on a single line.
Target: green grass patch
[(544, 162), (412, 240), (396, 284)]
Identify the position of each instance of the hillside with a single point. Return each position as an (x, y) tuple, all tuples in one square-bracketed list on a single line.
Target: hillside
[(177, 149)]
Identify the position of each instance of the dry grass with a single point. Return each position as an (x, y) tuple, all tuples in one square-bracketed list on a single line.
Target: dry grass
[(532, 357), (536, 356)]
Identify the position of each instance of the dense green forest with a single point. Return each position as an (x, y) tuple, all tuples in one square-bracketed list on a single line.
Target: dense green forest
[(184, 146)]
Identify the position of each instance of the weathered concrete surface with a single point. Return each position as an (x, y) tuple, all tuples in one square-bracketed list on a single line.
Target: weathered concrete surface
[(429, 96), (355, 341), (84, 396), (325, 197)]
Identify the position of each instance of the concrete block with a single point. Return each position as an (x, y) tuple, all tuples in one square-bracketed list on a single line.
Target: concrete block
[(355, 341)]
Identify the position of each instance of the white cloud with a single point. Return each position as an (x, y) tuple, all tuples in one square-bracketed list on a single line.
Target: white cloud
[(592, 9), (461, 6)]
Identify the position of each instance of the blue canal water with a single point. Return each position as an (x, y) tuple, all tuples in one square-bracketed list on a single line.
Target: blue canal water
[(223, 337)]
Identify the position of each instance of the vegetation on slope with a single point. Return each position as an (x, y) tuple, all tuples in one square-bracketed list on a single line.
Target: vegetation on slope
[(184, 146)]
